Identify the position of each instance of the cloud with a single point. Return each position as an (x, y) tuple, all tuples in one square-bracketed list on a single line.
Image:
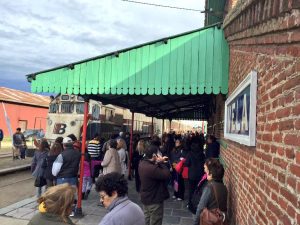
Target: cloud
[(38, 35)]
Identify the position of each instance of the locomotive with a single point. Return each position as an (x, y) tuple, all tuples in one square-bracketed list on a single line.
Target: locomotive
[(66, 113)]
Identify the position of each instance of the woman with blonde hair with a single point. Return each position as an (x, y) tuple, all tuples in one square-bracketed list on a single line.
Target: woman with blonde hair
[(55, 206), (136, 158)]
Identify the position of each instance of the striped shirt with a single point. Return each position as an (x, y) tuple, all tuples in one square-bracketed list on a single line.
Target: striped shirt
[(94, 148)]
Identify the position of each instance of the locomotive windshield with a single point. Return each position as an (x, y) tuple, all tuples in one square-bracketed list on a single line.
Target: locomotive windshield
[(67, 107)]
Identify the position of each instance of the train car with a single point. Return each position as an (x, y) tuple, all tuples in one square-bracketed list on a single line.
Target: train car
[(65, 117)]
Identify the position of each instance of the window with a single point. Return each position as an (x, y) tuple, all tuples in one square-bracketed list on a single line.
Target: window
[(23, 124), (109, 115), (67, 107), (53, 108), (65, 97), (96, 112), (79, 98), (79, 108)]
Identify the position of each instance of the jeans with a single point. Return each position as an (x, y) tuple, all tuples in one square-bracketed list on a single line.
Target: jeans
[(70, 180), (22, 152), (40, 191), (154, 214), (87, 184)]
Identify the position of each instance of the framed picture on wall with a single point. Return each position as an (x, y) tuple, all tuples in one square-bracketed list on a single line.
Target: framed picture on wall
[(240, 112)]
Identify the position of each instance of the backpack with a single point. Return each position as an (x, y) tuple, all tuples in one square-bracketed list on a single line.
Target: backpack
[(1, 135)]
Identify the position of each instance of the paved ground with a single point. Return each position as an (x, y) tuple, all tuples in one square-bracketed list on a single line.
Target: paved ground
[(175, 211)]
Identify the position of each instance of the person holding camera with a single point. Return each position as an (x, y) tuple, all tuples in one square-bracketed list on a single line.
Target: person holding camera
[(153, 173)]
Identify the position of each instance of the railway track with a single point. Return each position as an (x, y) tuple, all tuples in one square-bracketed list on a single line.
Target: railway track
[(5, 155), (15, 187)]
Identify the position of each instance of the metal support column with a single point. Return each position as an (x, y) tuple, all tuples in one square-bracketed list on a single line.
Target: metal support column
[(152, 128), (170, 125), (163, 127), (78, 211), (131, 146)]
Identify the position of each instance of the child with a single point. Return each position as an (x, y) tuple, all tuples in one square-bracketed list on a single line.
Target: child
[(87, 178)]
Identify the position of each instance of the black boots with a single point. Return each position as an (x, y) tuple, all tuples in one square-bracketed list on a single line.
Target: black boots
[(85, 195)]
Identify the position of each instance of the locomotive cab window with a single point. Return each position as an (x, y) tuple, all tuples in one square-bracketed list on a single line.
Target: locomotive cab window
[(79, 108), (65, 97), (109, 115), (95, 112), (53, 108), (67, 107)]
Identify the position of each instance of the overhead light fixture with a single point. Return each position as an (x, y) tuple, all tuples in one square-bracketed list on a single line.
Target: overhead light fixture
[(207, 10)]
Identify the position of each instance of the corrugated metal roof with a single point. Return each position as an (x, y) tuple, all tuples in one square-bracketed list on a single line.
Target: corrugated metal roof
[(21, 97), (191, 63)]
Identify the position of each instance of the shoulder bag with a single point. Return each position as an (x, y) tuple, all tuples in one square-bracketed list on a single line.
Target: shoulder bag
[(213, 216)]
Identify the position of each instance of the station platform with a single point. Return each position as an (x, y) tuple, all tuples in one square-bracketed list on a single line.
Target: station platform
[(175, 212)]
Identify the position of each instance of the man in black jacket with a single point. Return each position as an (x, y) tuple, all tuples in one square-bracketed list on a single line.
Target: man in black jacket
[(213, 148), (195, 162), (19, 144), (66, 165), (153, 173)]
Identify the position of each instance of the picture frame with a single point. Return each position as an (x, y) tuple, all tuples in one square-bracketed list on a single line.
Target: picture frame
[(240, 112)]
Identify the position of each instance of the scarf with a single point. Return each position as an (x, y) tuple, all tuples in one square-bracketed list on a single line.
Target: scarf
[(42, 207)]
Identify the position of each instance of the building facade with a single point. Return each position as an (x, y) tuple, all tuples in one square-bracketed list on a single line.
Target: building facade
[(24, 110), (264, 181)]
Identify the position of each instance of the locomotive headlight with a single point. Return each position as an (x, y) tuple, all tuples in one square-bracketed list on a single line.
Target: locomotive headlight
[(49, 122), (72, 123)]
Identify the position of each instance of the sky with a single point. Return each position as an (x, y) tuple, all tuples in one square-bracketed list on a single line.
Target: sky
[(37, 35)]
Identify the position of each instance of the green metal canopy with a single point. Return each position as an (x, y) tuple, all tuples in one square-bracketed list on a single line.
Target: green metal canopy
[(192, 64)]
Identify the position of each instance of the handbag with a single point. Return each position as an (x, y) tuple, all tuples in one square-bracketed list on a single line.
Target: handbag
[(212, 216), (40, 182), (179, 166), (185, 172)]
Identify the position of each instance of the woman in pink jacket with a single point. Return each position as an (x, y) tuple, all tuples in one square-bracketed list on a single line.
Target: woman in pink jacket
[(87, 176)]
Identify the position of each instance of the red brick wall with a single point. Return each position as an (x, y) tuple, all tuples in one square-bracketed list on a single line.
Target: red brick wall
[(18, 112), (264, 181)]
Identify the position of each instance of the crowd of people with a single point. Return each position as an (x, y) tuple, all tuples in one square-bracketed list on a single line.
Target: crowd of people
[(157, 164)]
